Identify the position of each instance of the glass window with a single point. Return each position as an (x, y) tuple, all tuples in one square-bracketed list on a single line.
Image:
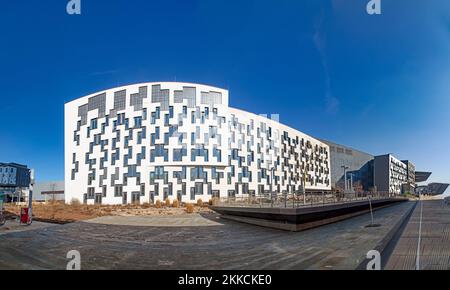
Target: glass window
[(94, 124), (166, 138), (144, 114), (166, 120), (177, 155), (199, 188), (137, 122)]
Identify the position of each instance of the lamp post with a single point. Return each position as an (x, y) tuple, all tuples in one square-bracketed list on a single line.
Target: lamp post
[(271, 185), (345, 176), (351, 181), (30, 197), (53, 191), (303, 186)]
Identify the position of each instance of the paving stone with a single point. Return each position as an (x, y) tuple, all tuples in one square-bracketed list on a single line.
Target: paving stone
[(435, 239), (228, 245)]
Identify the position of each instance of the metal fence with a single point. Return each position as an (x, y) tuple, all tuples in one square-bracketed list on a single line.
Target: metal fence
[(298, 200), (447, 200)]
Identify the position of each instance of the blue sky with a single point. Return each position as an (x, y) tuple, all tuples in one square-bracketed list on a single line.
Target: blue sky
[(377, 83)]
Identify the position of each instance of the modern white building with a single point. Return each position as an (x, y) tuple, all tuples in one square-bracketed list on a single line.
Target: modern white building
[(152, 141)]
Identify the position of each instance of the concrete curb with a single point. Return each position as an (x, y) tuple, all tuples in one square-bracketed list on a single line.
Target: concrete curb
[(387, 244), (299, 219)]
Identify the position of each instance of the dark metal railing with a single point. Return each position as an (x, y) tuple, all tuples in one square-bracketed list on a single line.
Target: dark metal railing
[(298, 200)]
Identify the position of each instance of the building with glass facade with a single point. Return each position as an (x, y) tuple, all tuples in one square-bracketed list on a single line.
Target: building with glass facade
[(351, 169), (390, 174), (410, 185), (158, 141), (15, 181), (434, 188)]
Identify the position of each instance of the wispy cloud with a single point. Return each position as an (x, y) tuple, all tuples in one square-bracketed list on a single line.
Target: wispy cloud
[(105, 72), (366, 111), (331, 102)]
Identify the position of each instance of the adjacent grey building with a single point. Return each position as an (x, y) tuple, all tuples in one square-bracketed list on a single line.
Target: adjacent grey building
[(47, 191), (390, 174), (354, 170), (350, 169)]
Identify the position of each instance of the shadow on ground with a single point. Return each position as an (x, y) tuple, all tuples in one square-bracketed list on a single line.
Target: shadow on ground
[(227, 245)]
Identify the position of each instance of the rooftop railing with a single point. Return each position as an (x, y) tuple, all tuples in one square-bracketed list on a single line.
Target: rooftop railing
[(299, 200)]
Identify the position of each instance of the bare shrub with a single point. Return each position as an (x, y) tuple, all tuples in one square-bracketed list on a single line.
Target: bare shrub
[(200, 202), (167, 202), (189, 208), (75, 201), (213, 201), (175, 203), (158, 204)]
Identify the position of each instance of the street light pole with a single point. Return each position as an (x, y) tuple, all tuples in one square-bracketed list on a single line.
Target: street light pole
[(345, 176), (30, 197), (53, 191), (271, 185), (303, 187), (351, 181)]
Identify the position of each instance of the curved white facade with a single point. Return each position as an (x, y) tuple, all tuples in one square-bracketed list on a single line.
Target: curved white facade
[(152, 141)]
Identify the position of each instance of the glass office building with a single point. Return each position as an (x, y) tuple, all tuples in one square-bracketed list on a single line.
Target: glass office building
[(15, 181), (351, 169)]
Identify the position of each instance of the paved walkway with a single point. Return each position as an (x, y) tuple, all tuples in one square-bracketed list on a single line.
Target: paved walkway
[(191, 220), (13, 226), (232, 245), (434, 253)]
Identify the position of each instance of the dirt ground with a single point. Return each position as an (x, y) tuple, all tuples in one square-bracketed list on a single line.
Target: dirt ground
[(59, 212)]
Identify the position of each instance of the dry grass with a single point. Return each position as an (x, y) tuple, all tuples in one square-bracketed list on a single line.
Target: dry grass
[(199, 202), (167, 202), (59, 212)]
